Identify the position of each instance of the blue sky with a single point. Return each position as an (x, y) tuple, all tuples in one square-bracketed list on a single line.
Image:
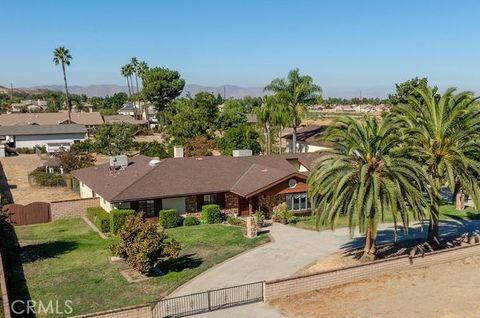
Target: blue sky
[(347, 46)]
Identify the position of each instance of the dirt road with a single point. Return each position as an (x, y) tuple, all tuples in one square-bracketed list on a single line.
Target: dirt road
[(446, 290)]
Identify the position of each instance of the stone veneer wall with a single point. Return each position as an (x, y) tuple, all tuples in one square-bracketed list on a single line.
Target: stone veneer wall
[(268, 202), (67, 209), (231, 204), (143, 311), (191, 204)]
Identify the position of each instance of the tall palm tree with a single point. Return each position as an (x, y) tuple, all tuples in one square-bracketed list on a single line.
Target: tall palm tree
[(365, 177), (134, 63), (61, 55), (142, 68), (264, 115), (445, 130), (297, 91), (127, 72)]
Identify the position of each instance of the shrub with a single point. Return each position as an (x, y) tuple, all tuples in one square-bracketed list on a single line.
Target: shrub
[(117, 219), (211, 214), (142, 244), (236, 221), (86, 145), (100, 218), (168, 218), (282, 214), (46, 179), (260, 216), (191, 221)]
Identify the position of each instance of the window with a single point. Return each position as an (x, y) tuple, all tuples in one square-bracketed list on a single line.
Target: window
[(147, 207), (210, 198), (297, 201)]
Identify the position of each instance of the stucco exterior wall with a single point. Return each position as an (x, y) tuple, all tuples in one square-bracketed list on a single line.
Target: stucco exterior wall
[(86, 191), (107, 206), (304, 147), (32, 140)]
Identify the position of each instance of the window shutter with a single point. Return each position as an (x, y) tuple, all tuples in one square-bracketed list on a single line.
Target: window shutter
[(221, 199), (199, 202)]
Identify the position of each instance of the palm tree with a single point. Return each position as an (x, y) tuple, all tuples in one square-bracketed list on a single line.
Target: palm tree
[(134, 64), (142, 68), (365, 177), (297, 92), (61, 55), (445, 130), (264, 115), (127, 71)]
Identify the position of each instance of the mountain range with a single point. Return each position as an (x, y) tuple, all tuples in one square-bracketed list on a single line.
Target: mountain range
[(192, 89)]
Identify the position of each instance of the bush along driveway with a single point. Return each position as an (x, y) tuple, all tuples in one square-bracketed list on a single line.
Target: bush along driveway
[(66, 260)]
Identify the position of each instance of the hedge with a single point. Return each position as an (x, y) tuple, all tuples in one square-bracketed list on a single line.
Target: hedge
[(168, 218), (191, 221), (100, 218), (117, 219), (46, 179), (211, 214)]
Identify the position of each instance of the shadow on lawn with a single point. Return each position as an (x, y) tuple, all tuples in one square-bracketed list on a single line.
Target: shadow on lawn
[(449, 229), (187, 261), (38, 252), (14, 274)]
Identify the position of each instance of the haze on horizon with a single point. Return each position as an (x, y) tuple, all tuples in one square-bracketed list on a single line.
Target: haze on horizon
[(347, 46)]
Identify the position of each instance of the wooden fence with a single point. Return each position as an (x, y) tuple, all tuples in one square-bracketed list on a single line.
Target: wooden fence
[(33, 213)]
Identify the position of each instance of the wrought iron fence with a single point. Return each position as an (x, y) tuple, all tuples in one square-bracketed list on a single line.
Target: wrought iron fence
[(210, 300)]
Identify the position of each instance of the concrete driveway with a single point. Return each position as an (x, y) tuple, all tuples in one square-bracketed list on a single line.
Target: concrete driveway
[(292, 250)]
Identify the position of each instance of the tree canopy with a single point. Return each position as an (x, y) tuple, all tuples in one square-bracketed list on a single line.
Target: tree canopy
[(161, 85), (240, 137)]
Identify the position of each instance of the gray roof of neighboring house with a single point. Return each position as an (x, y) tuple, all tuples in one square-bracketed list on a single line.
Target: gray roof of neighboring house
[(174, 177), (81, 118), (127, 107), (26, 130), (311, 135)]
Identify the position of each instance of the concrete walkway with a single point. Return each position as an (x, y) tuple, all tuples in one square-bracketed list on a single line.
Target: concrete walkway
[(292, 250)]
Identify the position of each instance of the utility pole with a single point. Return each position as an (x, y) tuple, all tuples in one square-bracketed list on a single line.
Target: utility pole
[(223, 92), (11, 90)]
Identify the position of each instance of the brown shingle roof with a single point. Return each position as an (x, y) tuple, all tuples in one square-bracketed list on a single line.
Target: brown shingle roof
[(115, 119), (50, 118), (174, 177)]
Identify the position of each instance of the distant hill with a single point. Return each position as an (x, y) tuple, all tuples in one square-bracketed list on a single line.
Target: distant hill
[(192, 89)]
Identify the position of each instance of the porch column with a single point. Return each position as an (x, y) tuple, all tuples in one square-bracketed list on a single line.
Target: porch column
[(250, 206)]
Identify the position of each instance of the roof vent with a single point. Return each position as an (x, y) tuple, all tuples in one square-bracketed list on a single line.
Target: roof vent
[(242, 153), (153, 162), (264, 170), (118, 162)]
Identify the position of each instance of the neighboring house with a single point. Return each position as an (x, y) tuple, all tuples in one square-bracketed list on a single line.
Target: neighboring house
[(116, 119), (53, 137), (308, 139), (251, 118), (240, 185), (29, 105), (127, 109), (89, 120)]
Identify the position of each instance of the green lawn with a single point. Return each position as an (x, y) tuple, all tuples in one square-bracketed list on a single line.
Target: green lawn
[(66, 260), (447, 211)]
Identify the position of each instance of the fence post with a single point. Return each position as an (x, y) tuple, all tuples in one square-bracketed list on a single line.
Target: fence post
[(209, 306)]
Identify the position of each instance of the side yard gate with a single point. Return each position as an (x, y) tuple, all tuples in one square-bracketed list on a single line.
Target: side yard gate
[(33, 213), (210, 300)]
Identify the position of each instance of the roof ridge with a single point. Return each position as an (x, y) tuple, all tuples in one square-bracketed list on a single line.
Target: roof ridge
[(140, 177)]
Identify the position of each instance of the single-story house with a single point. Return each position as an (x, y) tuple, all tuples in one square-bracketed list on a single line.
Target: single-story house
[(308, 139), (240, 185), (89, 120), (53, 137)]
